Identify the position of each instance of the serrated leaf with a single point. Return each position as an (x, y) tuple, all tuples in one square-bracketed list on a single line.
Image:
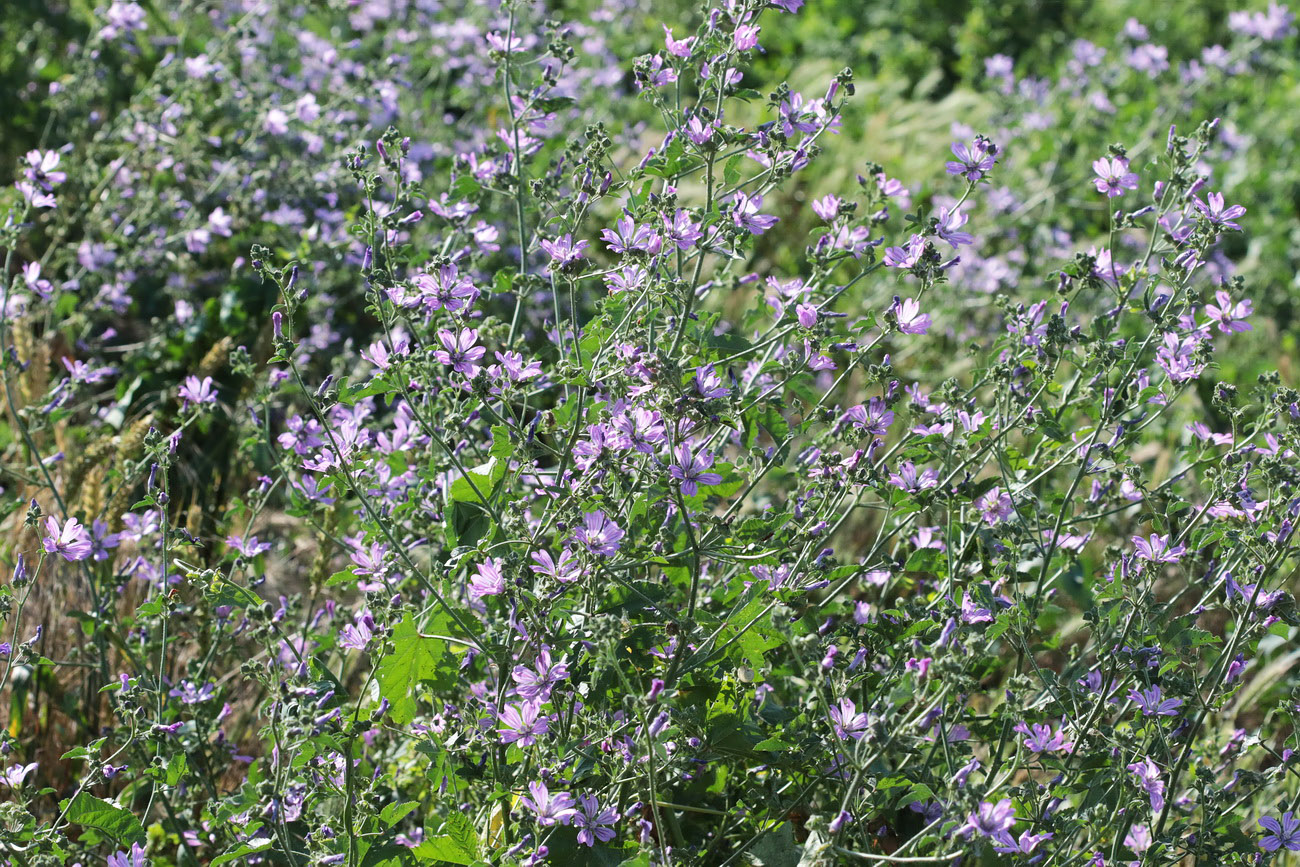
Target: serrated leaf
[(259, 845), (91, 812), (177, 768), (414, 659), (391, 814)]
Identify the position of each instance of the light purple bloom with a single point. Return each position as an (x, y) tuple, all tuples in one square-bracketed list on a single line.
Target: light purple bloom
[(536, 682), (906, 257), (1285, 834), (460, 351), (592, 820), (563, 251), (947, 225), (907, 478), (990, 820), (708, 384), (910, 318), (70, 541), (1230, 317), (1153, 704), (194, 390), (599, 534), (1157, 549), (557, 809), (523, 723), (1113, 176), (136, 857), (995, 506), (848, 722), (1148, 777), (744, 213), (690, 470), (488, 580), (357, 636), (1025, 845), (1217, 214), (973, 161), (14, 775)]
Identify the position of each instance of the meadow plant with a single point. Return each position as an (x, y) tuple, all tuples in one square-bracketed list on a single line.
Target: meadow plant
[(461, 435)]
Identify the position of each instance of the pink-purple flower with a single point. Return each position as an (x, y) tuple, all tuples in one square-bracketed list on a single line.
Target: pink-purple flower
[(690, 469), (1113, 176), (69, 540)]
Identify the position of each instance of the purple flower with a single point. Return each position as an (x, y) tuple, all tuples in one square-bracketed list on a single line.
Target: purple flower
[(628, 236), (907, 479), (746, 37), (910, 318), (197, 391), (744, 213), (677, 47), (563, 251), (356, 637), (947, 224), (102, 540), (70, 541), (1148, 58), (488, 581), (190, 693), (1157, 549), (250, 547), (1217, 214), (135, 858), (689, 469), (1138, 838), (708, 384), (1148, 777), (460, 350), (1043, 738), (906, 257), (995, 506), (848, 722), (448, 288), (875, 418), (14, 775), (1028, 842), (599, 534), (775, 578), (1113, 176), (549, 809), (973, 162), (991, 820), (1285, 834), (567, 569), (41, 169), (536, 682), (681, 230), (1152, 704), (1231, 317), (1177, 357), (522, 724), (591, 819)]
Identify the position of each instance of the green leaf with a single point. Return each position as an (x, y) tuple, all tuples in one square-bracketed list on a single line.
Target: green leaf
[(731, 171), (462, 831), (394, 813), (177, 768), (91, 812), (773, 745), (442, 849), (347, 576), (414, 659), (236, 854)]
